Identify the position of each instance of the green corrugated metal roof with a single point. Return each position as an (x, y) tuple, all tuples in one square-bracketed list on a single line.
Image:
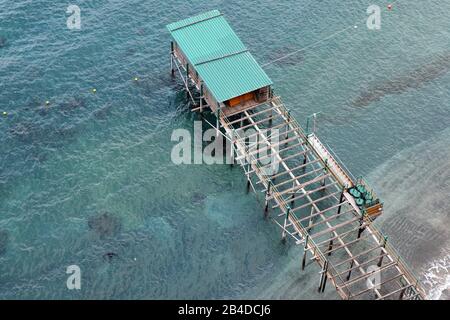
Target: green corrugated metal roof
[(218, 55)]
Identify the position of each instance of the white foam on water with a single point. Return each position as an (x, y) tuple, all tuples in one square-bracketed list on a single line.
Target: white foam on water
[(437, 278)]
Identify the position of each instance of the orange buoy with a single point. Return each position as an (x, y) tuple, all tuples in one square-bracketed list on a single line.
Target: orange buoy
[(389, 6)]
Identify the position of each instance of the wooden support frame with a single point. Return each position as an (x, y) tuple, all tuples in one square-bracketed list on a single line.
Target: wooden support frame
[(380, 285), (360, 264), (309, 192), (367, 274), (313, 202), (394, 292), (253, 114)]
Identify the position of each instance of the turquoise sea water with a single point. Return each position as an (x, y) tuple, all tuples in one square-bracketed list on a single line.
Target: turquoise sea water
[(191, 231)]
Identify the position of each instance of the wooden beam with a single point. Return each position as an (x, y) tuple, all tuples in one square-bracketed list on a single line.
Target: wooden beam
[(314, 201), (309, 192), (279, 151), (295, 168), (246, 109), (345, 245), (319, 213), (258, 122), (252, 115), (328, 219), (360, 264), (394, 292), (342, 235), (303, 185), (257, 133), (358, 255), (367, 274), (299, 177), (369, 289), (283, 159), (271, 145), (334, 228)]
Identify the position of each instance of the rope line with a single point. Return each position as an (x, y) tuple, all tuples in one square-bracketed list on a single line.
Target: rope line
[(355, 26), (308, 46)]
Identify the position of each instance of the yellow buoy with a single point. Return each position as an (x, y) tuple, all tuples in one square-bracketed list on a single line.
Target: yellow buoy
[(47, 102), (5, 113), (136, 79), (94, 90)]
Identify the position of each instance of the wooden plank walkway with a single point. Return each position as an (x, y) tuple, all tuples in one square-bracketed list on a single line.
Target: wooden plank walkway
[(307, 198)]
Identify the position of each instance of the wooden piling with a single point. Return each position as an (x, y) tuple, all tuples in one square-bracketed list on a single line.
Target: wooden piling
[(325, 276), (305, 251), (361, 223), (187, 80), (286, 219), (380, 262), (350, 271), (341, 198), (266, 207), (172, 69), (330, 247)]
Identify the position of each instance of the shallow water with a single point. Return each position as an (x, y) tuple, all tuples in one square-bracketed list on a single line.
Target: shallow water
[(414, 185), (191, 231)]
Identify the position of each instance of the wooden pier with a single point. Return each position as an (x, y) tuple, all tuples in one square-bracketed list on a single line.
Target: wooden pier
[(308, 193)]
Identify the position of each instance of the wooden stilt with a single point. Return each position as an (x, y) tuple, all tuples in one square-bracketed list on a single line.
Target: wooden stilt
[(304, 162), (248, 168), (266, 207), (325, 276), (283, 235), (305, 251), (232, 149), (201, 98), (271, 113), (330, 247), (172, 69), (350, 271), (380, 262), (402, 294), (361, 223), (217, 120), (187, 82), (340, 200)]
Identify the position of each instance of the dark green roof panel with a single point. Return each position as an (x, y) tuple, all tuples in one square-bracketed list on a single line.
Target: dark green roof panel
[(218, 55)]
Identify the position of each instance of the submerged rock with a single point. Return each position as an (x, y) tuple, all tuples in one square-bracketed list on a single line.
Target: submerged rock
[(103, 112), (66, 132), (3, 42), (4, 237), (109, 256), (415, 79), (105, 224), (72, 103), (24, 131), (198, 198)]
